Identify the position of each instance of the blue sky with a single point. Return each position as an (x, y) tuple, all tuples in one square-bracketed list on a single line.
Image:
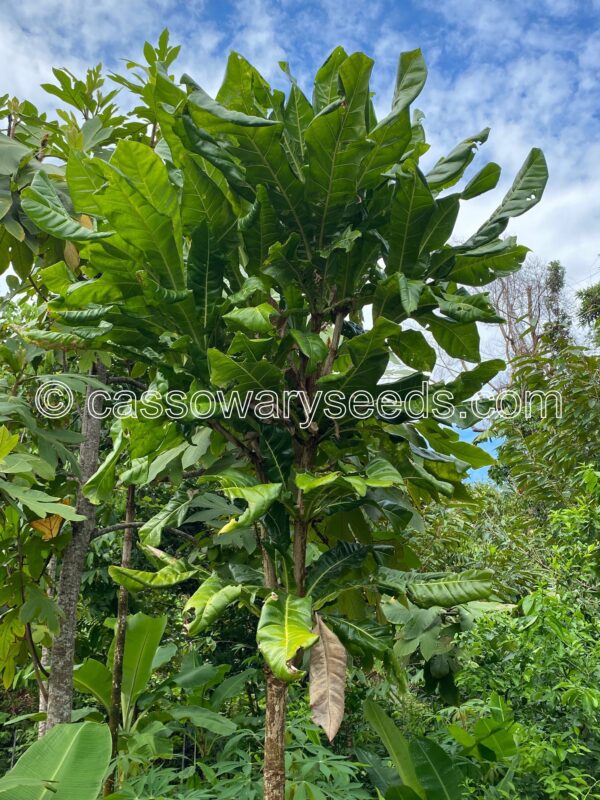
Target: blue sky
[(530, 70)]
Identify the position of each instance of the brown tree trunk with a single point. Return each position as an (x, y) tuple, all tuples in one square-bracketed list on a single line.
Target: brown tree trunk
[(60, 682), (46, 652), (117, 674), (276, 708), (274, 765)]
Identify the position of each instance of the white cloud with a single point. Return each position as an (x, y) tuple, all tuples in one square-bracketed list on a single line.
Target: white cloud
[(530, 72)]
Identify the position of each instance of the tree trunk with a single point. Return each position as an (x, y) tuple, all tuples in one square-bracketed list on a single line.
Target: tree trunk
[(46, 652), (114, 717), (274, 765), (60, 682)]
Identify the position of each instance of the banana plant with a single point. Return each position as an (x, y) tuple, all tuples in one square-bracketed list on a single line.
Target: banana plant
[(68, 764), (192, 697), (238, 254)]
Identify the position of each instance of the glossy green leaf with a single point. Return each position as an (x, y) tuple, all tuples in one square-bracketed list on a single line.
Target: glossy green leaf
[(12, 153), (284, 628), (458, 339), (171, 515), (486, 179), (336, 145), (259, 499), (332, 564), (410, 78), (396, 745), (361, 637), (41, 203), (93, 677), (142, 208), (451, 168), (484, 264), (312, 346), (412, 207), (70, 759), (414, 350), (136, 580), (526, 192), (440, 778), (203, 201), (326, 86), (205, 719), (206, 273), (451, 590), (251, 319), (209, 602), (242, 375), (142, 638)]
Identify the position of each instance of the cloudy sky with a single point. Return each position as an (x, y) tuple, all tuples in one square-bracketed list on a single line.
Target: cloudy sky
[(530, 70)]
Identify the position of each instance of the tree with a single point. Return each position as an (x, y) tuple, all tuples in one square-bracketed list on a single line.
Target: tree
[(234, 251), (532, 306), (588, 313)]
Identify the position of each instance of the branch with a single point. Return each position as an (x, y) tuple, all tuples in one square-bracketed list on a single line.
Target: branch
[(335, 342), (119, 526), (128, 381)]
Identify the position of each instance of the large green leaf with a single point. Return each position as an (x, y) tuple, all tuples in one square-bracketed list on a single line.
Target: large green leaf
[(484, 264), (410, 78), (369, 357), (297, 115), (451, 590), (141, 204), (101, 486), (93, 677), (12, 153), (391, 138), (440, 778), (142, 639), (41, 203), (203, 201), (486, 179), (243, 375), (284, 628), (326, 86), (312, 346), (136, 580), (39, 502), (261, 229), (84, 179), (204, 718), (336, 145), (244, 88), (447, 441), (414, 350), (209, 602), (451, 168), (361, 637), (441, 223), (412, 207), (206, 272), (260, 151), (172, 514), (259, 498), (526, 192), (70, 759), (458, 339), (396, 745), (332, 564)]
